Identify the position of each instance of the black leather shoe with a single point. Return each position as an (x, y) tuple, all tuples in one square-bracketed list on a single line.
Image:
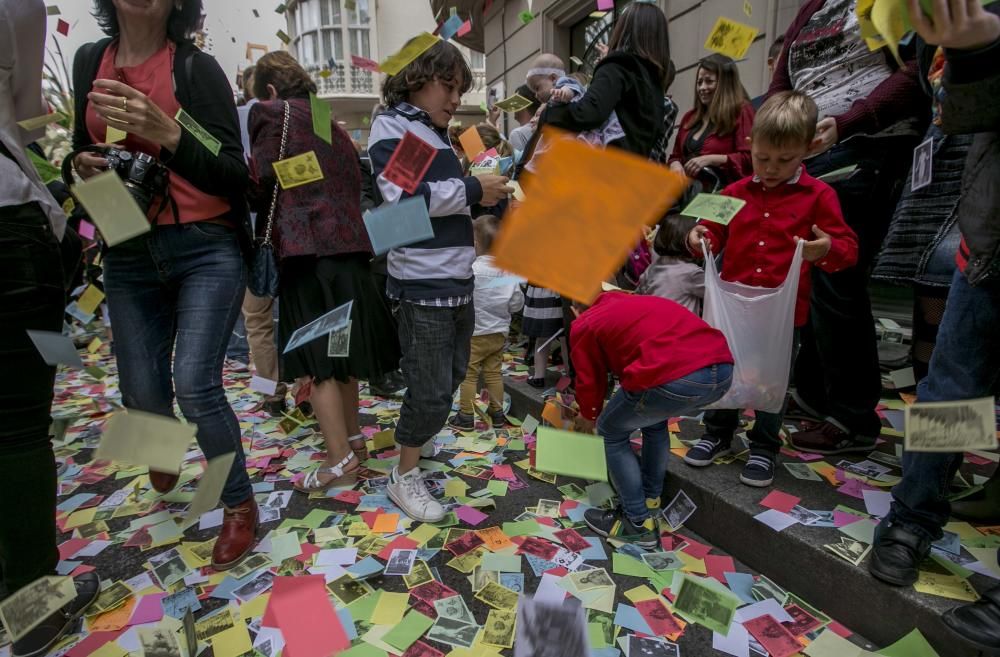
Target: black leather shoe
[(39, 640), (982, 506), (978, 622), (896, 555)]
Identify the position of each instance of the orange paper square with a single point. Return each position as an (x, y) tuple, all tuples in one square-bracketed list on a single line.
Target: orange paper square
[(585, 212), (386, 523), (472, 143)]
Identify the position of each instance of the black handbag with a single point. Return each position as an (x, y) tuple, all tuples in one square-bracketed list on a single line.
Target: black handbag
[(263, 280)]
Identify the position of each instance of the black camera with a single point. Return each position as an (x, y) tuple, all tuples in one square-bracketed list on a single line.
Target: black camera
[(144, 177)]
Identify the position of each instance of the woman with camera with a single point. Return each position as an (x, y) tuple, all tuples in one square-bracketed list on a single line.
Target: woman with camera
[(173, 293), (324, 252)]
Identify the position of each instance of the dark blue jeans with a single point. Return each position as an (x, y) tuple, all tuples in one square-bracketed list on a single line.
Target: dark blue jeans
[(649, 410), (177, 291), (965, 365), (435, 343)]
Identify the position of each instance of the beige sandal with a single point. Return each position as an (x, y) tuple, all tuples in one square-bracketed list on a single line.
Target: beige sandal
[(311, 482)]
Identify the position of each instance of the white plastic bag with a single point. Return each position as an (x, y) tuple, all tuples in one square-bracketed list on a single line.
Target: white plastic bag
[(759, 324)]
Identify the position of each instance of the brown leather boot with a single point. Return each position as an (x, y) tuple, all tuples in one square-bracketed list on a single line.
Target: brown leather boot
[(237, 536), (163, 482)]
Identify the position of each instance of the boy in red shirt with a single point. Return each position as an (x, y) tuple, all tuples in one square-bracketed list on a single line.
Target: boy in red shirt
[(784, 205), (670, 363)]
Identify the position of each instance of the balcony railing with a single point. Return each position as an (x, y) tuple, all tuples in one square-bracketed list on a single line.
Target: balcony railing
[(351, 81)]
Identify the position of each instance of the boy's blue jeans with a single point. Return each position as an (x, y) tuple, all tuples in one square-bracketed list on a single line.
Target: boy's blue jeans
[(435, 342), (649, 410), (965, 365)]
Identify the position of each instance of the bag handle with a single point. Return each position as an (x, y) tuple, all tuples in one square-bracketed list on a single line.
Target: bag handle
[(274, 196)]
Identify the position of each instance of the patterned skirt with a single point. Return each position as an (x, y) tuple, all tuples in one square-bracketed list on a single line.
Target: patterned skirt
[(923, 236)]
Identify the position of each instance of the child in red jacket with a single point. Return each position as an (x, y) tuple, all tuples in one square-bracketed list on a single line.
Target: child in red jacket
[(784, 204), (670, 363)]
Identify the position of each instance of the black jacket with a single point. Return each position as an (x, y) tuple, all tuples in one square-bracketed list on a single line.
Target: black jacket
[(972, 105), (627, 85), (204, 92)]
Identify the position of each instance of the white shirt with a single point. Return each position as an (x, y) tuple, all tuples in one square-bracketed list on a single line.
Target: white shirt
[(22, 50), (494, 303)]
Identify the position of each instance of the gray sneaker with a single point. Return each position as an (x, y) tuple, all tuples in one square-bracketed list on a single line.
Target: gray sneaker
[(427, 450), (410, 494)]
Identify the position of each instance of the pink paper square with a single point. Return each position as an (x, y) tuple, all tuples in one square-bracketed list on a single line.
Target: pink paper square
[(469, 515), (86, 229), (605, 5), (149, 609), (780, 501)]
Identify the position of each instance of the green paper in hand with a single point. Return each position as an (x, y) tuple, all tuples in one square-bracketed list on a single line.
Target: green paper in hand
[(322, 118), (570, 454), (701, 602), (411, 628), (714, 207), (198, 132)]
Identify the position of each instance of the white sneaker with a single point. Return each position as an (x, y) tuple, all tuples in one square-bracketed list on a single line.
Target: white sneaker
[(427, 450), (410, 494)]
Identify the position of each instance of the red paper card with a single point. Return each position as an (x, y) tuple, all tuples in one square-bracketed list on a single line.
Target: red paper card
[(771, 634), (659, 618), (300, 607), (780, 501), (364, 63), (719, 564), (398, 543), (409, 162), (62, 27)]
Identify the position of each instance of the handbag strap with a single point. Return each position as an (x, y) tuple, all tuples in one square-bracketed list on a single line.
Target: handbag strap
[(274, 196)]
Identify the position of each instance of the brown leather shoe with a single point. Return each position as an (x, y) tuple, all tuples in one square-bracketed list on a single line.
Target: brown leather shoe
[(238, 535), (163, 482)]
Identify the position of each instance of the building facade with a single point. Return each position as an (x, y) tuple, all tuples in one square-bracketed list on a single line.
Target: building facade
[(325, 33), (572, 28)]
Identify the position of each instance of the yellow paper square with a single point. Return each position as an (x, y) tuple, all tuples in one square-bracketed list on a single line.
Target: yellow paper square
[(413, 49), (731, 38), (299, 170), (692, 565), (232, 642), (90, 299), (384, 439), (94, 346), (255, 607), (640, 593), (114, 135), (424, 533), (81, 517), (390, 608)]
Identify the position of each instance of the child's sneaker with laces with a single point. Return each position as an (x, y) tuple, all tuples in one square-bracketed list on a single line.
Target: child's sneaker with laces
[(410, 494), (759, 469), (706, 451), (614, 524), (462, 422)]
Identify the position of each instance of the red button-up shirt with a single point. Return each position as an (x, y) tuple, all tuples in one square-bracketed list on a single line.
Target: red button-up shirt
[(760, 241), (644, 341)]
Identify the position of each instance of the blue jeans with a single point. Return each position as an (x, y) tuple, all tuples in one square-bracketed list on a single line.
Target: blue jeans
[(177, 291), (435, 343), (965, 365), (649, 410)]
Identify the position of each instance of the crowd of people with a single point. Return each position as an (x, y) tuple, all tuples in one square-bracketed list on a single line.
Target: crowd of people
[(440, 314)]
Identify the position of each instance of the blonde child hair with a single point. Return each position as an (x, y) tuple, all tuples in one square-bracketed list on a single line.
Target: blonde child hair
[(787, 118)]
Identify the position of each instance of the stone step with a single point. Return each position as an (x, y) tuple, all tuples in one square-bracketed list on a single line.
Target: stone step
[(795, 558)]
